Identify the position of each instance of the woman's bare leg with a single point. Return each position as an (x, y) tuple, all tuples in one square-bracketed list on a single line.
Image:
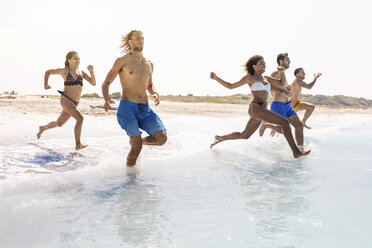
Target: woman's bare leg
[(251, 127), (70, 108), (309, 110), (261, 113), (63, 117)]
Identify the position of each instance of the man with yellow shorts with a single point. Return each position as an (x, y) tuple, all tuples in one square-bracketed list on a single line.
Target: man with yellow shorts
[(295, 99)]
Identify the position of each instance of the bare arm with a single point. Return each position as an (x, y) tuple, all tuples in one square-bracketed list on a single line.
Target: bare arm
[(226, 84), (151, 89), (91, 79), (273, 81), (59, 71), (109, 79), (310, 85)]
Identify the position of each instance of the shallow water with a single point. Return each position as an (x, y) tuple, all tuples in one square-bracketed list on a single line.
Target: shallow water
[(246, 193)]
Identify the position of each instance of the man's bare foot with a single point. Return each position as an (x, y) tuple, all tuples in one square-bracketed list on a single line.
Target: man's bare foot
[(262, 129), (217, 139), (301, 153), (272, 133), (308, 127), (41, 130), (79, 147)]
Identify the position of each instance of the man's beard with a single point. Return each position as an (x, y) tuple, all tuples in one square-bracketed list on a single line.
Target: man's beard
[(138, 49)]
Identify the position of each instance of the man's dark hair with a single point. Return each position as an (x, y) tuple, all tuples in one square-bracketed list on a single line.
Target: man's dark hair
[(252, 61), (281, 56), (297, 71)]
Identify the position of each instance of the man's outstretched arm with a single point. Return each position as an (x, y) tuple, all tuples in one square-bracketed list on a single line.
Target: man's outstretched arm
[(310, 85)]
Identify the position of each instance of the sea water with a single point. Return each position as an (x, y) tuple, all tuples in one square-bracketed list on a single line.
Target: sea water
[(242, 193)]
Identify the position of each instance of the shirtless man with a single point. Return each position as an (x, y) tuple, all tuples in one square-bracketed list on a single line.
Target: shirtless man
[(135, 73), (281, 104), (295, 98)]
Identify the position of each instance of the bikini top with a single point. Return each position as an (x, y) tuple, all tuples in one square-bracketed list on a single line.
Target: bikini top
[(258, 86), (70, 81)]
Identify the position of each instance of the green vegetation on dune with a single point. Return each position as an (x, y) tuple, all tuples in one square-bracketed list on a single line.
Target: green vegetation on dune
[(233, 99), (91, 95), (337, 101)]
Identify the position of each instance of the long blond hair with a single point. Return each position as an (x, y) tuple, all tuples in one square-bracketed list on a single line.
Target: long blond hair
[(125, 40), (69, 55)]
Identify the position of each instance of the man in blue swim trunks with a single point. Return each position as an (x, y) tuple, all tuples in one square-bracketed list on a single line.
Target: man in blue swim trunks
[(281, 104), (133, 114)]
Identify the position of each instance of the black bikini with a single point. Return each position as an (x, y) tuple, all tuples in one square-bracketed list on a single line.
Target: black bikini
[(258, 102), (71, 82), (63, 94)]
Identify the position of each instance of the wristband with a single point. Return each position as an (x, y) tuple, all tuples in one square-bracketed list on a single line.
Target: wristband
[(156, 93)]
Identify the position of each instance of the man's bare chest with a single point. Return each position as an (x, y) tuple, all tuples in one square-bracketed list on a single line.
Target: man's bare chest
[(137, 69)]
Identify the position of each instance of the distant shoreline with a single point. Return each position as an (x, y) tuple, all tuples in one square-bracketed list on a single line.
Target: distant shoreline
[(48, 107), (332, 102)]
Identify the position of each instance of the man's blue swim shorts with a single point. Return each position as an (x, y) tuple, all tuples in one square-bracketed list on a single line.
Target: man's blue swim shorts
[(283, 108), (134, 116)]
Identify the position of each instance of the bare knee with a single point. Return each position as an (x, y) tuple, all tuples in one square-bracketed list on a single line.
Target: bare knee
[(60, 123), (161, 138), (80, 119)]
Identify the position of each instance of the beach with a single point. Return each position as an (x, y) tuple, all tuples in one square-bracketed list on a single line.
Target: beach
[(28, 106), (240, 193)]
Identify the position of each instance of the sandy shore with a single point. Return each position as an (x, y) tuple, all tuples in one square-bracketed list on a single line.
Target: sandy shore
[(36, 106)]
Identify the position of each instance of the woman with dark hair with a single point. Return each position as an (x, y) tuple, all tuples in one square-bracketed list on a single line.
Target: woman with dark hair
[(70, 96), (260, 87)]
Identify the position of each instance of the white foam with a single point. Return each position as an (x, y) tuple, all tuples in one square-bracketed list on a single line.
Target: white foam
[(53, 195)]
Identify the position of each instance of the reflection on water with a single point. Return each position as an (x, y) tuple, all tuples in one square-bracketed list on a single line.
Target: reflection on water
[(134, 209), (275, 194)]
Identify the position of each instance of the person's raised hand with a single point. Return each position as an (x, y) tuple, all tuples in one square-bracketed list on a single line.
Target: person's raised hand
[(90, 68), (213, 76), (317, 75)]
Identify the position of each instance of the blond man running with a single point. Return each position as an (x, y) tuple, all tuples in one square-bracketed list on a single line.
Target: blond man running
[(133, 114)]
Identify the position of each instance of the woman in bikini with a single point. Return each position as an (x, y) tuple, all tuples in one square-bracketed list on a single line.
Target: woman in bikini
[(71, 95), (260, 87)]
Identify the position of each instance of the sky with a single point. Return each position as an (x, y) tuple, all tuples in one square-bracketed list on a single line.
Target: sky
[(186, 40)]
